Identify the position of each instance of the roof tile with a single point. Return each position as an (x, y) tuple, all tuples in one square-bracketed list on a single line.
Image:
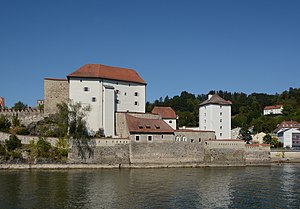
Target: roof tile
[(107, 72)]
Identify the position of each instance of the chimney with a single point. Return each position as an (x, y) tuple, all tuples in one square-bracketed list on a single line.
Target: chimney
[(209, 96)]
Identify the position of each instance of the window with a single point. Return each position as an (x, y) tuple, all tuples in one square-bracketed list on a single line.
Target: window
[(125, 93), (117, 91), (221, 127), (221, 120), (136, 103), (136, 94), (93, 99), (221, 134), (85, 88), (170, 121), (80, 80), (117, 101), (137, 138), (150, 138), (204, 120), (220, 106), (221, 113)]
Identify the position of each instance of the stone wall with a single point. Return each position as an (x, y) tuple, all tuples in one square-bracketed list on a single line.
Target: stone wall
[(222, 152), (257, 153), (166, 153), (55, 91), (108, 155), (285, 156), (27, 139), (25, 116)]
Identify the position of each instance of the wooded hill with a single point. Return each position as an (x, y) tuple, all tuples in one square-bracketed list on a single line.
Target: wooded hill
[(246, 110)]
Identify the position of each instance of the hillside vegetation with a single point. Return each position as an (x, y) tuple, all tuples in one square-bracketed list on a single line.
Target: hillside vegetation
[(247, 110)]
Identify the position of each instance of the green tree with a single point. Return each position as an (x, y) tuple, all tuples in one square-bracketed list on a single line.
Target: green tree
[(245, 135), (72, 124), (19, 105), (267, 139), (4, 124), (13, 143)]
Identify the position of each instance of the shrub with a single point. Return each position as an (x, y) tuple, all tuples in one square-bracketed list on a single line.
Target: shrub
[(43, 148), (13, 143), (22, 131), (4, 124), (2, 150)]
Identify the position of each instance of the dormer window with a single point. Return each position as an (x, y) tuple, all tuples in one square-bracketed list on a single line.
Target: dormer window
[(148, 126)]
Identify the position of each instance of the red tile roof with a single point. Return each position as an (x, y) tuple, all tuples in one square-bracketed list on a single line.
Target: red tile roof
[(107, 72), (273, 107), (164, 112), (144, 125), (216, 99)]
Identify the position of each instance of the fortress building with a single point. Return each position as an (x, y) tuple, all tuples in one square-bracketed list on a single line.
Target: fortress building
[(104, 88), (215, 115)]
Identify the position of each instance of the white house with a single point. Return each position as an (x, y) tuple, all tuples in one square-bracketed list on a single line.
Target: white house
[(167, 114), (259, 138), (273, 110), (289, 137), (107, 90), (215, 115)]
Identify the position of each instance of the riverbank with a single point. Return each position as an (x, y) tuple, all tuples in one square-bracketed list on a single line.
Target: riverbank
[(124, 166)]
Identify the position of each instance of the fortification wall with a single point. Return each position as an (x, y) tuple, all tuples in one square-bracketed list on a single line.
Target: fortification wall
[(55, 91), (285, 156), (115, 151), (257, 153), (166, 153), (25, 116), (224, 152), (107, 155)]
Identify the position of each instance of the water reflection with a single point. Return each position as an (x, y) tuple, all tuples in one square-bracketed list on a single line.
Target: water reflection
[(252, 187)]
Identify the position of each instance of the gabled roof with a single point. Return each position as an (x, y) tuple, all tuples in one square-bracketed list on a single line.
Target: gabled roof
[(273, 107), (216, 99), (287, 125), (144, 125), (164, 112), (107, 72)]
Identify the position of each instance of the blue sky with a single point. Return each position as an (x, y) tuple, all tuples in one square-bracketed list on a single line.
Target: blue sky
[(194, 45)]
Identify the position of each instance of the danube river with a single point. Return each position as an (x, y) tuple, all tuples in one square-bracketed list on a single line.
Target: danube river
[(276, 186)]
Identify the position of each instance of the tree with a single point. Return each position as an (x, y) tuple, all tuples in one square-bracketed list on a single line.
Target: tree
[(19, 105), (267, 139), (13, 143), (4, 124), (72, 124), (245, 135)]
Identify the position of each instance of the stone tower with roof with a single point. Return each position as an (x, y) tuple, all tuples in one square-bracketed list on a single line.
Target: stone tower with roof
[(215, 115)]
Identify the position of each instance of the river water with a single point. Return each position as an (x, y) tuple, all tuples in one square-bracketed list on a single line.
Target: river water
[(276, 186)]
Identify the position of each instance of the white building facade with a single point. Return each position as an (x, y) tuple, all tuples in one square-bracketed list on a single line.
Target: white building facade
[(215, 115), (273, 110), (289, 137), (107, 90)]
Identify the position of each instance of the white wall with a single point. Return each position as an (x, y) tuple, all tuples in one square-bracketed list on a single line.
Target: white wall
[(109, 111), (171, 122), (126, 95), (131, 97), (95, 90), (213, 117), (286, 137)]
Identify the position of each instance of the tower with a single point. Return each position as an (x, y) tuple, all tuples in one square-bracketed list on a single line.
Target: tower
[(215, 115)]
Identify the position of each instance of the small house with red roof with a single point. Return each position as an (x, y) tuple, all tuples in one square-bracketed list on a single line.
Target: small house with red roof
[(167, 114), (273, 110)]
